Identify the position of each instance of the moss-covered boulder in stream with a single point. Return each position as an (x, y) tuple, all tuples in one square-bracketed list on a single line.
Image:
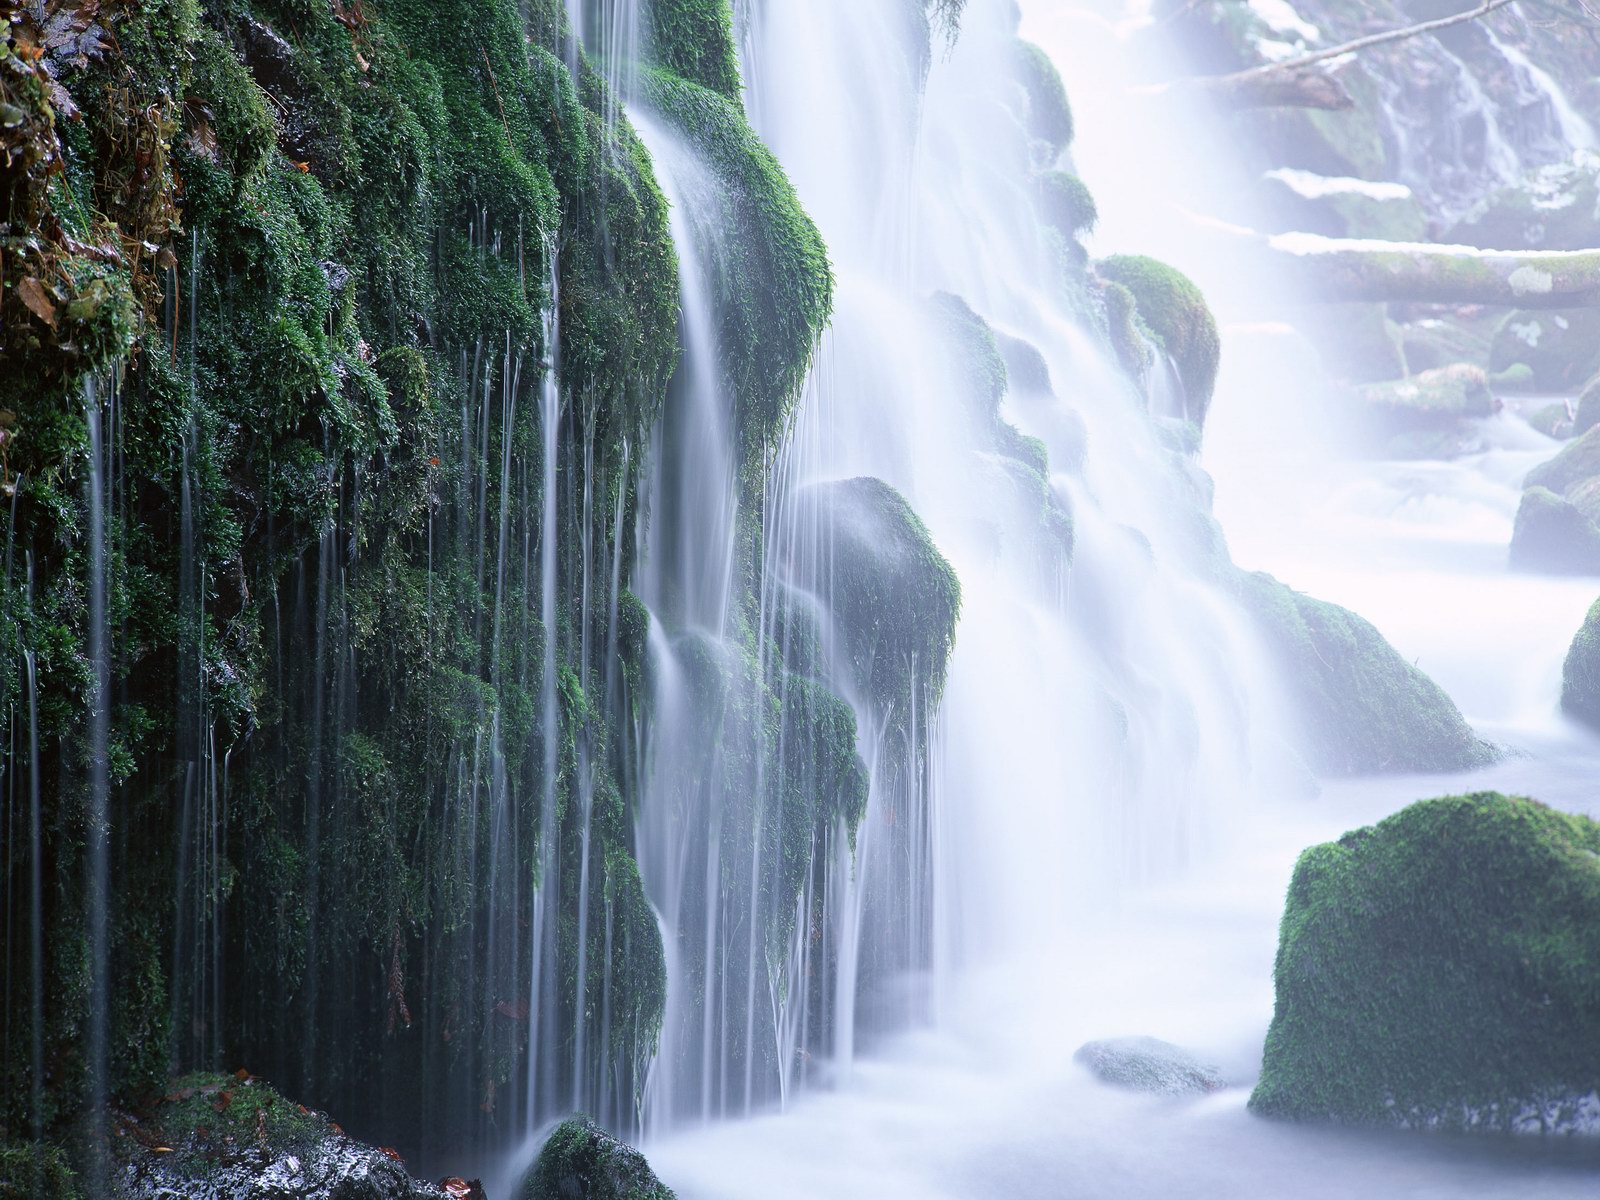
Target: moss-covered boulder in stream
[(1174, 311), (1441, 970), (225, 1137), (1359, 707), (1437, 398), (1561, 347), (1580, 675), (581, 1161), (1554, 536), (1577, 463)]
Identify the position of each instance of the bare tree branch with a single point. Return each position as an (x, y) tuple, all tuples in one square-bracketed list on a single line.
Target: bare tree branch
[(1374, 39)]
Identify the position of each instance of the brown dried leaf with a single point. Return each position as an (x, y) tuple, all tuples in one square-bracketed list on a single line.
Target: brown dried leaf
[(34, 294)]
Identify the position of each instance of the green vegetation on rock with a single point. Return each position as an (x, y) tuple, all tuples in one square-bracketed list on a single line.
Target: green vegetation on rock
[(1360, 707), (1553, 535), (693, 39), (1174, 312), (1580, 675), (581, 1161), (1065, 202), (1441, 970), (1048, 118)]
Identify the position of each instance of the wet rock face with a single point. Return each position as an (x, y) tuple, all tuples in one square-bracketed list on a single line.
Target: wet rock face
[(1553, 536), (1580, 675), (1441, 970), (581, 1161), (226, 1138), (1147, 1064)]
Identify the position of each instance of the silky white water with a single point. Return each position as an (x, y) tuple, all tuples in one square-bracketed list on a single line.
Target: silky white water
[(1091, 889)]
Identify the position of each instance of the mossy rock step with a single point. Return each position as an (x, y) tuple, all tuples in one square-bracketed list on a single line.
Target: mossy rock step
[(1441, 970), (1174, 312), (1440, 397), (223, 1137), (1580, 675), (581, 1161), (1360, 707)]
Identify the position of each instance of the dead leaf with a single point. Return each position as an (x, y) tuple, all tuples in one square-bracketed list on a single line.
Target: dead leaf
[(33, 294), (391, 1152)]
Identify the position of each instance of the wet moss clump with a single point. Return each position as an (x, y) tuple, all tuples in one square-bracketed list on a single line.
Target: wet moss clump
[(775, 285), (693, 39), (1441, 970), (1360, 708), (1580, 675), (581, 1161), (1048, 115), (1174, 311), (1065, 202), (33, 1170)]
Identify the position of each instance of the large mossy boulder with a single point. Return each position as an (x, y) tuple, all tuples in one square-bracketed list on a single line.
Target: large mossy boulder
[(1359, 706), (1552, 535), (894, 598), (1441, 970), (1174, 311), (1576, 464), (1147, 1064), (223, 1137), (1580, 675), (581, 1161)]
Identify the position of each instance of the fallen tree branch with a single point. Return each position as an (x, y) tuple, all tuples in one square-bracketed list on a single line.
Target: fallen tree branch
[(1421, 272), (1373, 39)]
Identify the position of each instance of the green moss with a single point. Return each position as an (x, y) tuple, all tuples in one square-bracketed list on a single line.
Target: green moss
[(1049, 116), (1578, 462), (1440, 970), (770, 267), (36, 1171), (1580, 675), (1065, 202), (581, 1161), (1440, 397), (970, 351), (693, 39), (1360, 707), (1175, 312), (1551, 534), (893, 596)]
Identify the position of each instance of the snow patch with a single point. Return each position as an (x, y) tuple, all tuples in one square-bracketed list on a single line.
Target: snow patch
[(1280, 17), (1530, 281), (1315, 187)]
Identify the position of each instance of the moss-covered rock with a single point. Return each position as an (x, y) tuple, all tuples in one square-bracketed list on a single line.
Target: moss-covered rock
[(1360, 707), (219, 1137), (1146, 1064), (1578, 462), (1586, 412), (1580, 675), (775, 283), (1047, 114), (1065, 203), (1175, 312), (1561, 347), (1554, 536), (1441, 970), (581, 1161), (1554, 420), (893, 596), (1441, 397)]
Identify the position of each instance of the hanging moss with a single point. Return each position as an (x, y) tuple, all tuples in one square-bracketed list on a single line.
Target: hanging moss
[(775, 286), (693, 39), (1439, 971), (1174, 311), (1359, 706), (1580, 675)]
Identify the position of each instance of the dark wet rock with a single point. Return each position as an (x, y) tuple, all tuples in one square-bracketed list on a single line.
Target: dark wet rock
[(1554, 536), (581, 1161), (1147, 1064), (1441, 970), (220, 1137)]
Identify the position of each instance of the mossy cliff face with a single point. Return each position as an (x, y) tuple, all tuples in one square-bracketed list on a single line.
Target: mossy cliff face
[(372, 325), (1174, 313), (1441, 970), (1359, 706)]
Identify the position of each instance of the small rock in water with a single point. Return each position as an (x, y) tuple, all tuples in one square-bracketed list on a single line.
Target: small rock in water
[(581, 1161), (1147, 1064)]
